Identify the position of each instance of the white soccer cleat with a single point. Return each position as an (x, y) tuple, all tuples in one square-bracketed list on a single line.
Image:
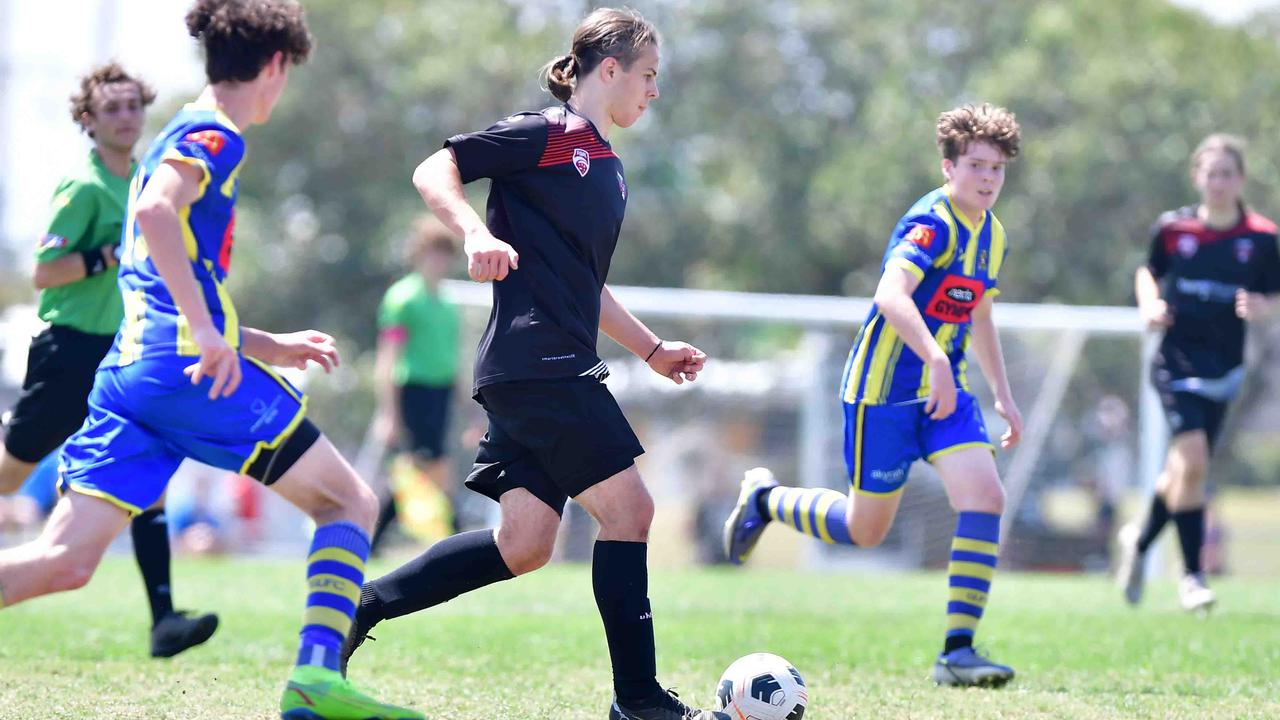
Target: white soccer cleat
[(1195, 595), (1130, 573)]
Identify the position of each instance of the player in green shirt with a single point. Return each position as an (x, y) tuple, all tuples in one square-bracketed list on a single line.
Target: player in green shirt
[(416, 367), (76, 274)]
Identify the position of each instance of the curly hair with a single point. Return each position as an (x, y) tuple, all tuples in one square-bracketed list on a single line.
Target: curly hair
[(1232, 145), (966, 124), (606, 32), (241, 36), (109, 74)]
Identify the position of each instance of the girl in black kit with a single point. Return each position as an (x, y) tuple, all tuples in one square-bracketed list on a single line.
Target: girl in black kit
[(1211, 268), (556, 205)]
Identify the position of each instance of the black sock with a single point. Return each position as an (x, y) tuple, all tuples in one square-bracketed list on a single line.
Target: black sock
[(453, 566), (955, 642), (762, 504), (150, 532), (1190, 524), (620, 578), (1156, 519)]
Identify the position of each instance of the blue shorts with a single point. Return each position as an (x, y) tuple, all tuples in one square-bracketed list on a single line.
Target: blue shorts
[(881, 441), (146, 417)]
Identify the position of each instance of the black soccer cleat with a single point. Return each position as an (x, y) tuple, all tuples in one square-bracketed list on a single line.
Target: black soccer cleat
[(665, 705), (355, 638), (180, 631)]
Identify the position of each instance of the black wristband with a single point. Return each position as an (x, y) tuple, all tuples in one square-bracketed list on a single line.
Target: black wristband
[(654, 350), (94, 262)]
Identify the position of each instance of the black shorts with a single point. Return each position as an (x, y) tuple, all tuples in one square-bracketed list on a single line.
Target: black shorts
[(55, 393), (554, 438), (1189, 412), (424, 412)]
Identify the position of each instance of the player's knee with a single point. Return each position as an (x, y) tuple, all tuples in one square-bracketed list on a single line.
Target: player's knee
[(868, 535), (526, 553), (630, 521), (69, 570)]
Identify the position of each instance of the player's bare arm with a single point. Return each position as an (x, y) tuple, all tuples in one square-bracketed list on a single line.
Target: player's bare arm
[(439, 182), (986, 348), (177, 185), (678, 361), (67, 269), (294, 350), (1154, 310), (893, 297)]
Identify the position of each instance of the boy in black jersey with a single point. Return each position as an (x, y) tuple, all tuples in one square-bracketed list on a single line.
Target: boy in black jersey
[(1211, 268), (555, 208)]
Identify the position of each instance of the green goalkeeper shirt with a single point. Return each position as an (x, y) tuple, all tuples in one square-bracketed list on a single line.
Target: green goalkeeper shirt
[(87, 212)]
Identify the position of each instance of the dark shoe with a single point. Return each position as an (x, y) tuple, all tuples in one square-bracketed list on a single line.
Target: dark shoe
[(664, 706), (179, 631), (355, 638)]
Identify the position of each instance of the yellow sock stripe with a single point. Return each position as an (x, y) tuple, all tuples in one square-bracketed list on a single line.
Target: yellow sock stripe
[(811, 496), (971, 569), (825, 501), (334, 585), (977, 546), (334, 553), (327, 617), (961, 621), (789, 506), (968, 595)]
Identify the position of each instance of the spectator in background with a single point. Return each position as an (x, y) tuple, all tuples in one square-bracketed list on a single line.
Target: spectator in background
[(414, 378)]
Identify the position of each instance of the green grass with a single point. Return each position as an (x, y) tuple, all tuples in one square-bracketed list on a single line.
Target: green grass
[(533, 648)]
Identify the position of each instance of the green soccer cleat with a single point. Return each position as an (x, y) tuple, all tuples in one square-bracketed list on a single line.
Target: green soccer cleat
[(316, 693)]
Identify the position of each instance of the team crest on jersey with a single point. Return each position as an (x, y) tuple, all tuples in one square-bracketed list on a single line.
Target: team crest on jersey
[(622, 186), (1188, 244), (212, 140), (581, 161), (921, 235), (1244, 249)]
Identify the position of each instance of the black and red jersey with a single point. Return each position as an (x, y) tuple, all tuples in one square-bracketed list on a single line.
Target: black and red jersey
[(558, 196), (1199, 270)]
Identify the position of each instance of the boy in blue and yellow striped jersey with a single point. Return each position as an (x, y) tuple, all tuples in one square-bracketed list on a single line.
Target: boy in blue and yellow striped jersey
[(900, 394), (185, 379)]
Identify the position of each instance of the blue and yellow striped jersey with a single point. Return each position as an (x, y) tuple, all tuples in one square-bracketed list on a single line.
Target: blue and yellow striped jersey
[(205, 138), (957, 263)]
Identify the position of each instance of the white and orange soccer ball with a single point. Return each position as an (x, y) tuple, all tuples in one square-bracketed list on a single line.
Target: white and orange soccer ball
[(762, 686)]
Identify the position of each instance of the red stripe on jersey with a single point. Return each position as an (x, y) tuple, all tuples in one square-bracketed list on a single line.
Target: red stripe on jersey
[(561, 145)]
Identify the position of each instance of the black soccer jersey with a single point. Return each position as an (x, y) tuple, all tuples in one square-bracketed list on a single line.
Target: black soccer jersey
[(1199, 270), (558, 196)]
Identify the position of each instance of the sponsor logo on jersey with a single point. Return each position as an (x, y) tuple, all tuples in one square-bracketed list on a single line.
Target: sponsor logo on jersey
[(212, 140), (581, 161), (955, 299), (1188, 244), (1244, 249), (921, 235), (622, 186)]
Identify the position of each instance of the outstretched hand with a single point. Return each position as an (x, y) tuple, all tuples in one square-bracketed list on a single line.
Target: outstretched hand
[(677, 361)]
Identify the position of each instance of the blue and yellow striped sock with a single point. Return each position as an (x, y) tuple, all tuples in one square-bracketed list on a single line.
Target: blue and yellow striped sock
[(973, 563), (816, 512), (335, 573)]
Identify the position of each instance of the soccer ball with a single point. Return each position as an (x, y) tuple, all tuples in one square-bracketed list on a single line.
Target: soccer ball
[(761, 686)]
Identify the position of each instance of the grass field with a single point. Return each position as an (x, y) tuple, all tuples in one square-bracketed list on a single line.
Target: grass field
[(533, 648)]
